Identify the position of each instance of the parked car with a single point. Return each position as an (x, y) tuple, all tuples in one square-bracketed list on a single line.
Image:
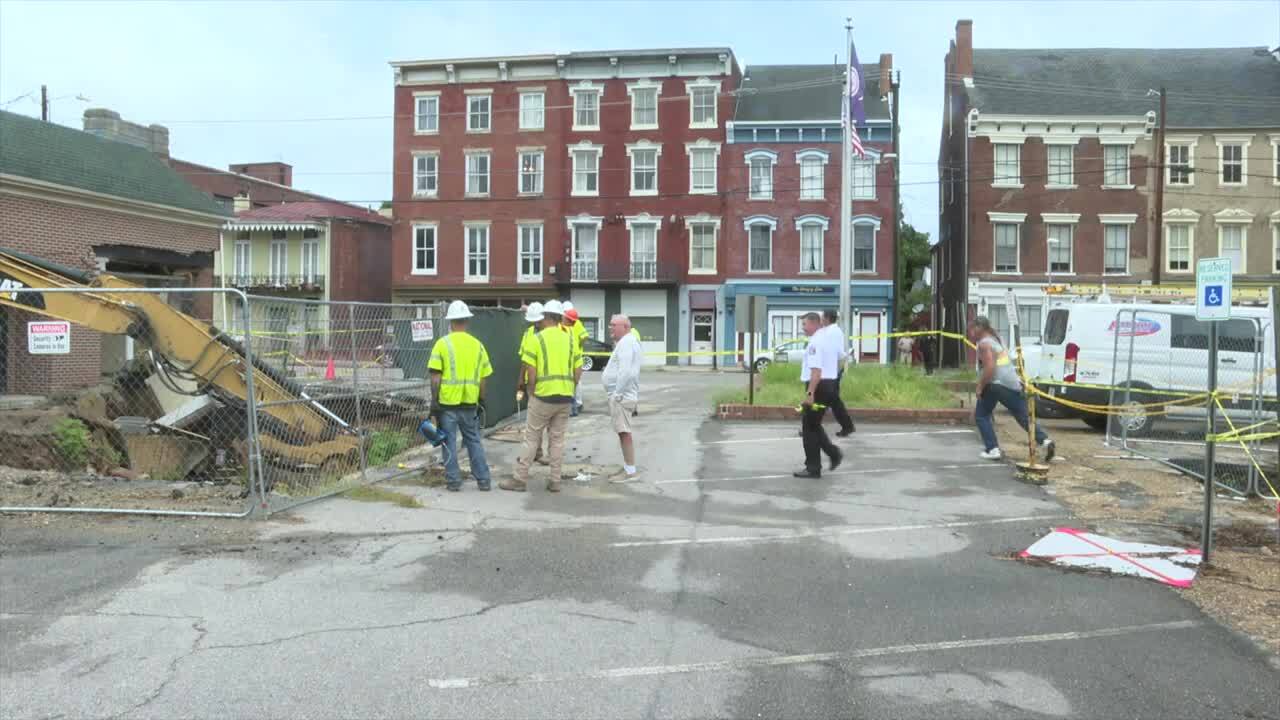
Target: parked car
[(599, 356), (792, 351)]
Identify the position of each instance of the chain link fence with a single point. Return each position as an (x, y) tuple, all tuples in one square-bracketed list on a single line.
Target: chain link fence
[(1161, 402)]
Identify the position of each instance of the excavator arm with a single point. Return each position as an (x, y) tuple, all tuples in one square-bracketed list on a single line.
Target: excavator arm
[(296, 429)]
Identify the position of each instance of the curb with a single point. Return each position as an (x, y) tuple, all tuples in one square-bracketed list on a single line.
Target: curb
[(939, 416)]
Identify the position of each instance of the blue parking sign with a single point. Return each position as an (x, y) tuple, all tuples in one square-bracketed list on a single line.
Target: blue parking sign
[(1213, 295), (1213, 289)]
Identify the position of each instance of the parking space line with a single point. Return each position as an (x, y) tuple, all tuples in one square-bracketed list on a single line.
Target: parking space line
[(832, 532), (856, 436), (829, 473), (804, 659)]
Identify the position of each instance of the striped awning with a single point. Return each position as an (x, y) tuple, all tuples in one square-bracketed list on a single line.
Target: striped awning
[(251, 225)]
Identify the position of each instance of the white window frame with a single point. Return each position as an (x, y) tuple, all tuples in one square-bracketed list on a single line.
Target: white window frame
[(761, 157), (704, 83), (470, 190), (1049, 249), (643, 220), (1003, 218), (420, 173), (282, 245), (1275, 243), (1275, 159), (643, 146), (1051, 178), (539, 177), (704, 145), (1190, 220), (1244, 141), (1240, 219), (311, 256), (764, 221), (998, 179), (467, 227), (244, 269), (645, 86), (1125, 220), (418, 99), (856, 167), (584, 148), (580, 91), (1068, 219), (574, 222), (713, 222), (1189, 142), (1127, 144), (473, 115), (537, 256), (822, 158), (874, 223), (822, 224), (435, 249), (529, 94)]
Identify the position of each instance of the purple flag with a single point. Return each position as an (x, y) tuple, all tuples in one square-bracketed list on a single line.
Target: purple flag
[(856, 86)]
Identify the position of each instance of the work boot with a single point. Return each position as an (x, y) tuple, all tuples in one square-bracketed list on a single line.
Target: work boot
[(553, 486), (807, 473), (836, 460), (513, 485), (541, 459)]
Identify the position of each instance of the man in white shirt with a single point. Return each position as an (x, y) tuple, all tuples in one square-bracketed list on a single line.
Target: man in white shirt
[(835, 335), (821, 361), (621, 378)]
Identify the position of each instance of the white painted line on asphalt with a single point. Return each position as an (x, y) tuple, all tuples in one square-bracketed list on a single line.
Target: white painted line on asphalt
[(856, 436), (828, 473), (828, 532), (767, 661)]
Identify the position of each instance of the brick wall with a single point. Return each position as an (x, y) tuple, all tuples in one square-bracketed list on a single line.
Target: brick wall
[(360, 261), (66, 234)]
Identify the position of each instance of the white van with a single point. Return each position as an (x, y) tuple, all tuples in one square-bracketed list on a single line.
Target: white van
[(1079, 358)]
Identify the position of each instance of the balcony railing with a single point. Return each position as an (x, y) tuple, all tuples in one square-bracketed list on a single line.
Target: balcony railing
[(273, 282), (638, 271)]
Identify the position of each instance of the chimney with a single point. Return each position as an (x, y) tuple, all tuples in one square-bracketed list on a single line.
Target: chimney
[(276, 172), (108, 124), (964, 49), (886, 74), (242, 204)]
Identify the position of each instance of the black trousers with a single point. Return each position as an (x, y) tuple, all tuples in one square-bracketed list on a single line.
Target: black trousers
[(815, 437), (838, 410)]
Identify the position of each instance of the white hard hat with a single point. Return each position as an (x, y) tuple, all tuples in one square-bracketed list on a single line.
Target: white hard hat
[(458, 310), (553, 307), (534, 312), (566, 305)]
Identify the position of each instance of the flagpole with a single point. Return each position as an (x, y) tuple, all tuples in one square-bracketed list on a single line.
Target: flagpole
[(846, 188)]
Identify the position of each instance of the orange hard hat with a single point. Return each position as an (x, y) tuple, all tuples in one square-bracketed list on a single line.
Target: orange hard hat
[(571, 315)]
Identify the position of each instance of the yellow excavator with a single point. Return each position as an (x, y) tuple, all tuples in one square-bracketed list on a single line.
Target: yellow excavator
[(294, 429)]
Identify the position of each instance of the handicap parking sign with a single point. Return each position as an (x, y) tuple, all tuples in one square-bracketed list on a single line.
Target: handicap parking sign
[(1213, 295), (1213, 288)]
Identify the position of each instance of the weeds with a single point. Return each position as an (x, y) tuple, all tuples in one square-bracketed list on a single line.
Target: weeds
[(71, 440), (375, 493), (385, 445), (864, 386)]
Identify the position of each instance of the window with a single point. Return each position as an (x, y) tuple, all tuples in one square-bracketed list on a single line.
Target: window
[(1008, 168), (1006, 247), (1029, 322), (644, 107), (1061, 165), (530, 253), (761, 178), (644, 170), (1115, 249), (585, 245), (586, 170), (1231, 245), (310, 256), (244, 255), (477, 253), (478, 174), (279, 257), (812, 176), (1275, 246), (1232, 163), (530, 172), (424, 249), (760, 247), (479, 115), (1275, 158), (426, 113), (864, 247), (811, 247), (651, 329), (1060, 246), (586, 109), (1055, 332), (1115, 165), (864, 179), (702, 104), (644, 252), (702, 169), (1178, 247), (426, 174), (702, 247), (532, 110), (1179, 161)]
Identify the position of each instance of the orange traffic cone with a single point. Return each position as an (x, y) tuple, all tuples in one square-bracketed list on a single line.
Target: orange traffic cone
[(329, 373)]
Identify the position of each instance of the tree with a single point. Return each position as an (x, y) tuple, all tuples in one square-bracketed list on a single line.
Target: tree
[(914, 253)]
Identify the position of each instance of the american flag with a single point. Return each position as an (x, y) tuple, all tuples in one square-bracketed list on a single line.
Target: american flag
[(853, 110)]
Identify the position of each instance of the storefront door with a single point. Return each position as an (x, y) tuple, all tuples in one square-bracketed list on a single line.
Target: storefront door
[(702, 333)]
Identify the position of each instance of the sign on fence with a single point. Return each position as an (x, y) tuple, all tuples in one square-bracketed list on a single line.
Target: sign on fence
[(422, 330), (49, 337), (1213, 289)]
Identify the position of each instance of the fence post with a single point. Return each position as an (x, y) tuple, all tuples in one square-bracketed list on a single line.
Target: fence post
[(1206, 529), (355, 387), (1128, 384), (252, 446)]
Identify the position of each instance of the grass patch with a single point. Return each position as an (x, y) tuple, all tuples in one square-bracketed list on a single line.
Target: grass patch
[(864, 386), (385, 445), (375, 493)]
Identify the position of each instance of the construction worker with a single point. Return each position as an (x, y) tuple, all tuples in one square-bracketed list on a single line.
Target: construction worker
[(459, 365), (579, 334), (553, 371), (533, 315), (998, 382)]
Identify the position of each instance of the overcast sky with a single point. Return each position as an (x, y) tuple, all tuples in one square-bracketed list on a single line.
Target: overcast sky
[(223, 76)]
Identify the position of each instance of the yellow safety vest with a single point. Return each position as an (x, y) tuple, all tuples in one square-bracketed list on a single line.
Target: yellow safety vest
[(527, 344), (462, 363), (636, 333), (555, 358)]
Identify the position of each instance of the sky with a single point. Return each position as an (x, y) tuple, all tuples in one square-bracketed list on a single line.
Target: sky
[(261, 81)]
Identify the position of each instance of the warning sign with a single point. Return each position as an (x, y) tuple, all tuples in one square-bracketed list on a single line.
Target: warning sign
[(422, 330), (49, 338)]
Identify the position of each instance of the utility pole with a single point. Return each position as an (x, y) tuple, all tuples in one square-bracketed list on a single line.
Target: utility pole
[(896, 288), (44, 103), (1158, 245), (846, 186)]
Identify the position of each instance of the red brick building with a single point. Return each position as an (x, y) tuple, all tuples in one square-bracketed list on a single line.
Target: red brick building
[(584, 176)]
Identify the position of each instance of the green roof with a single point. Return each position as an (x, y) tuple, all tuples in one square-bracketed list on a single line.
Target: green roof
[(64, 156)]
